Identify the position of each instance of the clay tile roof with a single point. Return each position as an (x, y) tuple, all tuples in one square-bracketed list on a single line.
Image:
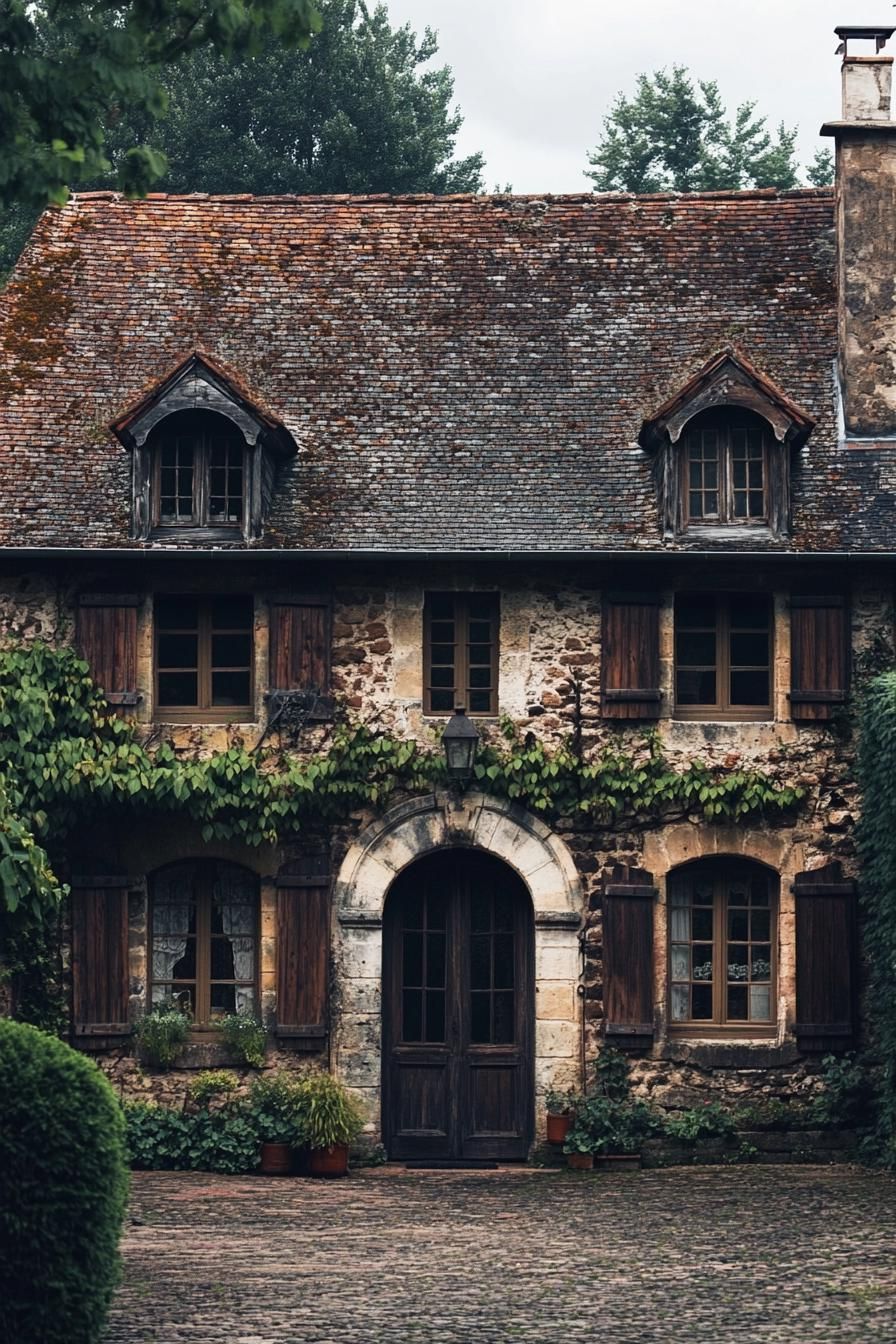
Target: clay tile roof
[(464, 373)]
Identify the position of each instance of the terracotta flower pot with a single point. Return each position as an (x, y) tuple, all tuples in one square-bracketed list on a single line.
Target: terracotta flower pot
[(619, 1162), (580, 1161), (331, 1161), (276, 1159), (558, 1126)]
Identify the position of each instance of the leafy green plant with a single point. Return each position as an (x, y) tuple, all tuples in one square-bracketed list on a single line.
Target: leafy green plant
[(277, 1108), (561, 1103), (773, 1114), (244, 1035), (63, 1190), (161, 1035), (162, 1139), (212, 1084), (605, 1125), (709, 1121), (846, 1100), (331, 1115)]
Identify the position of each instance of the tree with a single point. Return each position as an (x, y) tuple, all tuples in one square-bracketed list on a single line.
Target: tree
[(353, 112), (672, 136), (820, 172), (69, 66)]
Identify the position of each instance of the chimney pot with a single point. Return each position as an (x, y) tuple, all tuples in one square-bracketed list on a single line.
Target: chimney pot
[(867, 85)]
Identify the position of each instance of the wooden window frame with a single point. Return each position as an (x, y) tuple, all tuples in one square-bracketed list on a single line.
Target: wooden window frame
[(719, 1027), (200, 432), (204, 712), (461, 689), (724, 421), (203, 888), (721, 710)]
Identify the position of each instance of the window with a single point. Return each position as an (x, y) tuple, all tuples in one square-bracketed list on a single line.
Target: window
[(461, 652), (722, 946), (204, 935), (723, 667), (726, 468), (199, 472), (203, 658)]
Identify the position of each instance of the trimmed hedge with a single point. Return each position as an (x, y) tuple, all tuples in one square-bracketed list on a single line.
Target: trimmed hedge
[(63, 1190)]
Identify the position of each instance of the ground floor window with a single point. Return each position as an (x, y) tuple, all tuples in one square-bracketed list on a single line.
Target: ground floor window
[(204, 936), (722, 960)]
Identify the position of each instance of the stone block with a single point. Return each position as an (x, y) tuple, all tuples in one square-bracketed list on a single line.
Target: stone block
[(556, 1001), (361, 954), (556, 1039)]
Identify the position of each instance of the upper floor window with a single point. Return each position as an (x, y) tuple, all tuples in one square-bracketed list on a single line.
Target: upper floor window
[(723, 658), (461, 652), (203, 658), (722, 961), (199, 472), (726, 467)]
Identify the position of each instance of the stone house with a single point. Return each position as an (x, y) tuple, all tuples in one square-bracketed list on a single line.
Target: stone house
[(595, 464)]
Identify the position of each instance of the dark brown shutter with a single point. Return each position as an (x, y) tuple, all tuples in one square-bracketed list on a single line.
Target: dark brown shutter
[(99, 907), (303, 951), (107, 640), (630, 657), (825, 959), (300, 647), (819, 656), (628, 901)]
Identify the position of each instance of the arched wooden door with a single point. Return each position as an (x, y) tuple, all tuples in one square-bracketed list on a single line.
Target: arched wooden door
[(458, 1010)]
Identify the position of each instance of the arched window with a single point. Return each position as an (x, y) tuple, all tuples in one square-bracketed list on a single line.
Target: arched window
[(199, 471), (722, 947), (204, 938), (726, 466)]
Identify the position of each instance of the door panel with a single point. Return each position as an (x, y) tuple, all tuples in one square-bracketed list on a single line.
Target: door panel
[(457, 1064)]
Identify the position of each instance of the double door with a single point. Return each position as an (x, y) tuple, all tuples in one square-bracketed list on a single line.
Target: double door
[(458, 1010)]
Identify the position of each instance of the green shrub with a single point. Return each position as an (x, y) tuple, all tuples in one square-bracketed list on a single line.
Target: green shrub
[(63, 1190), (162, 1139), (330, 1114), (709, 1121), (847, 1100), (161, 1035), (277, 1108), (210, 1084), (245, 1036)]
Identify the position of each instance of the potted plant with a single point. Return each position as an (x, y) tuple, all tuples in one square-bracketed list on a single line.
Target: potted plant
[(277, 1111), (331, 1121), (162, 1034), (560, 1108), (244, 1036), (579, 1149)]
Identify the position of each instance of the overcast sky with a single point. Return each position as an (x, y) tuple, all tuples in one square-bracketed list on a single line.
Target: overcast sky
[(534, 78)]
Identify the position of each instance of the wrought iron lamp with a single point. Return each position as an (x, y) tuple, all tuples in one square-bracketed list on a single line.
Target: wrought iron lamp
[(460, 740)]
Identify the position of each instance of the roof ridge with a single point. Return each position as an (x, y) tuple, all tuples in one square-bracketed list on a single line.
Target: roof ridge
[(425, 198)]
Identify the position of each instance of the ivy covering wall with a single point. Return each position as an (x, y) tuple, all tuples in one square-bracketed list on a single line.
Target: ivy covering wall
[(65, 760)]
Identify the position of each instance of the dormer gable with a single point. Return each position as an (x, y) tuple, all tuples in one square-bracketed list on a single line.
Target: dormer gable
[(722, 447), (205, 451)]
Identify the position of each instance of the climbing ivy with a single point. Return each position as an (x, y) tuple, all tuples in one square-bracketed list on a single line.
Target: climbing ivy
[(876, 835), (65, 760)]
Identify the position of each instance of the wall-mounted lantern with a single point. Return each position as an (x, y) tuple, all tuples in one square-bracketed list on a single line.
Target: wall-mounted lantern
[(460, 740)]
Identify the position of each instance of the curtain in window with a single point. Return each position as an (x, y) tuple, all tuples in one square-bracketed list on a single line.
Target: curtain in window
[(173, 920)]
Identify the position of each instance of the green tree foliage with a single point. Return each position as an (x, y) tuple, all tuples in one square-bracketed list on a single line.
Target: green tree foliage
[(70, 67), (356, 111), (63, 1189), (820, 172), (673, 136), (877, 849)]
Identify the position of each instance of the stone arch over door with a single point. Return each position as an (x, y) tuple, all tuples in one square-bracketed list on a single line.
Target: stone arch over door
[(406, 833)]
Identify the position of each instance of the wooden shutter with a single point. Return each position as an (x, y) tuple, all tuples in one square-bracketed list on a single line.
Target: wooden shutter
[(630, 660), (819, 656), (300, 640), (628, 901), (99, 907), (107, 640), (303, 951), (825, 959)]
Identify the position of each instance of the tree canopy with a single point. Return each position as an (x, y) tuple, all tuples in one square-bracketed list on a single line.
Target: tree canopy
[(70, 68), (356, 111), (675, 136)]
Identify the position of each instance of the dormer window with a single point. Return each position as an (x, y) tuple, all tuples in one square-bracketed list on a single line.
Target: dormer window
[(725, 463), (205, 456), (199, 472), (722, 448)]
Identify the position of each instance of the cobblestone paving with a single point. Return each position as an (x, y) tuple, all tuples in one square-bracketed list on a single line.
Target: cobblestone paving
[(798, 1255)]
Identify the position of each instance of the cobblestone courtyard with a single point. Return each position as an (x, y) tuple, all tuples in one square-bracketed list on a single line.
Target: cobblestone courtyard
[(798, 1255)]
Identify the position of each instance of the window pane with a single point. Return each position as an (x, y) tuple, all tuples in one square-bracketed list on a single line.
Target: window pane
[(503, 961), (738, 925), (442, 701), (701, 1003), (231, 613), (480, 1019), (412, 1015), (231, 651), (680, 962), (701, 922), (436, 908), (761, 964), (693, 648), (480, 702), (178, 650), (442, 653), (176, 613), (759, 925), (222, 960), (230, 688), (695, 610), (738, 968), (681, 925), (178, 688), (480, 961), (737, 1002), (749, 611), (760, 1003), (480, 632), (749, 650), (750, 688), (441, 606), (435, 1015), (481, 606), (481, 653), (442, 676), (702, 955), (503, 1032), (695, 688), (412, 965), (480, 677), (703, 893), (680, 996), (435, 960)]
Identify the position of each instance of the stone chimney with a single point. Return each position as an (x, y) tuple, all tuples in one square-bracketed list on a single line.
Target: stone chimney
[(865, 142)]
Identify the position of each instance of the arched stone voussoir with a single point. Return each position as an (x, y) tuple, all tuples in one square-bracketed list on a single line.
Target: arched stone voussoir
[(437, 821)]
